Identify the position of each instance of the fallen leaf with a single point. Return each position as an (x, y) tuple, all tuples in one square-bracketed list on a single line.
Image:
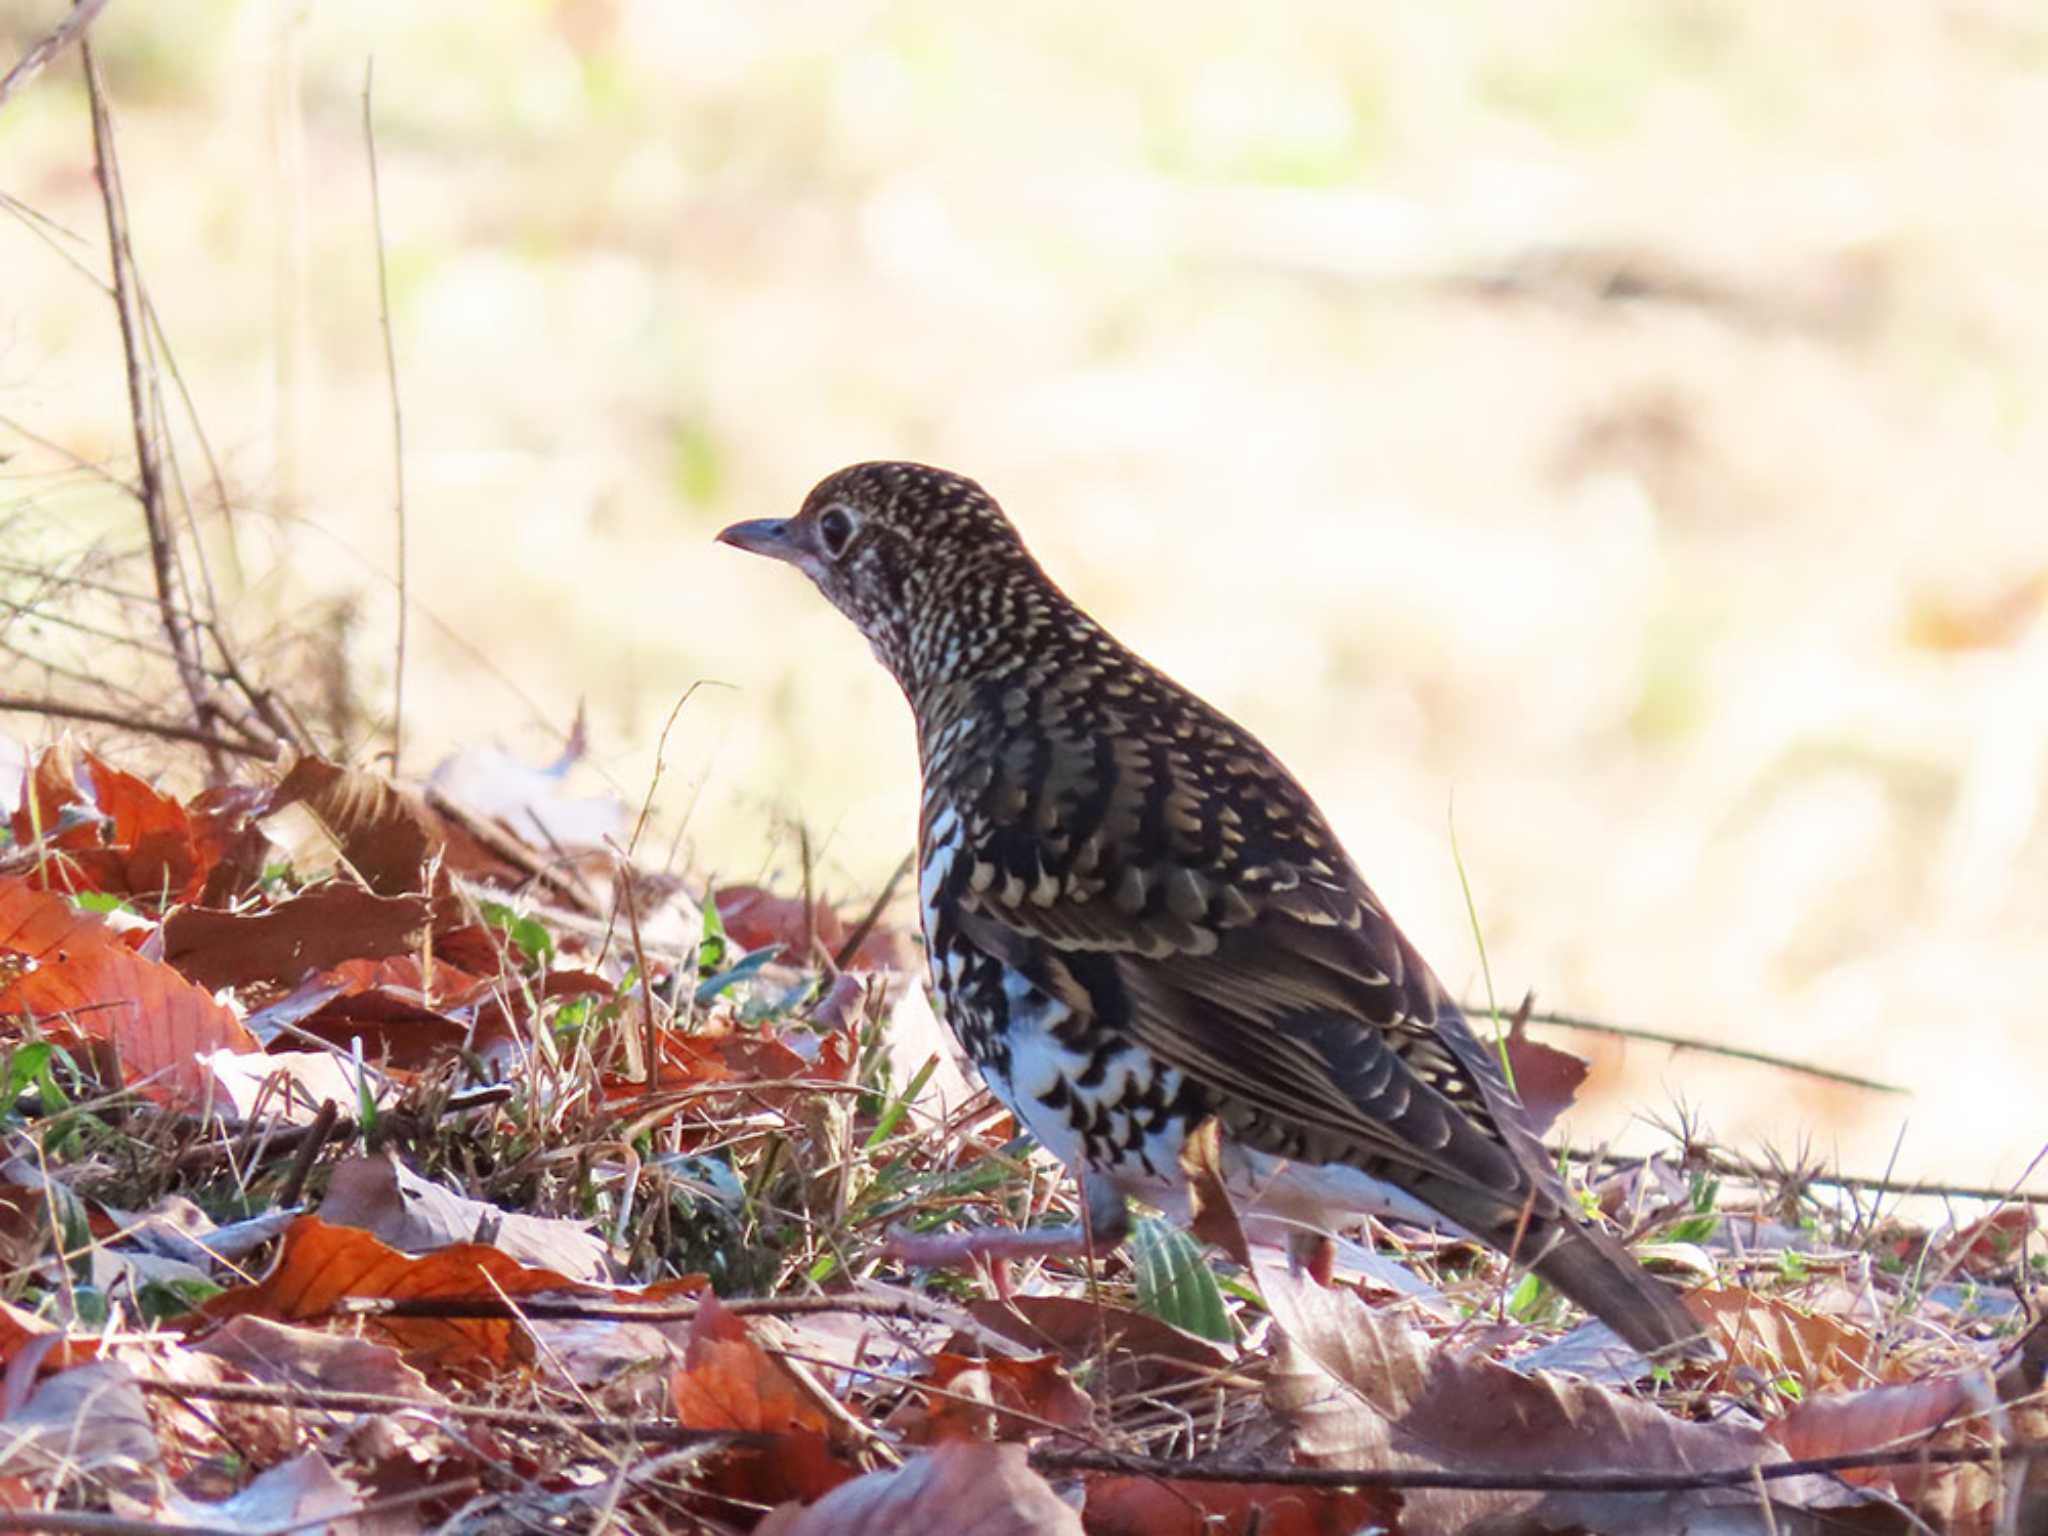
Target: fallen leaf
[(318, 1266), (754, 918), (72, 974), (388, 833), (1141, 1352), (984, 1398), (88, 1418), (125, 838), (277, 1352), (728, 1381), (395, 1205), (1151, 1506), (290, 1085), (301, 1493), (986, 1490), (321, 926), (232, 846), (1214, 1219), (1546, 1078), (1365, 1390), (1781, 1341), (405, 1016), (1991, 1243)]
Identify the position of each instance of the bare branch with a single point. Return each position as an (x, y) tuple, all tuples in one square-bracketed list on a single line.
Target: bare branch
[(1709, 1048), (169, 730), (68, 31), (1054, 1460), (178, 628)]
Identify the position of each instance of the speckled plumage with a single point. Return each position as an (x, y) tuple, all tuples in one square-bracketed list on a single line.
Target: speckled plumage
[(1136, 919)]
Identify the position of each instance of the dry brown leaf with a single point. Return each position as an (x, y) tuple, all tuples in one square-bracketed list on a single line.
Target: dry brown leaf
[(728, 1381), (303, 1493), (321, 926), (71, 972), (395, 1205), (986, 1490), (320, 1265), (230, 842), (1546, 1078), (1364, 1390), (1151, 1506), (755, 918), (87, 1418), (1214, 1217), (388, 834), (1143, 1351), (127, 838), (401, 1012), (54, 1349), (288, 1085), (1778, 1340), (1992, 1243), (1957, 1409), (308, 1357), (1000, 1399)]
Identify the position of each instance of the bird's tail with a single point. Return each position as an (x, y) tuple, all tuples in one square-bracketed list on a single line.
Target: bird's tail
[(1597, 1272), (1585, 1263)]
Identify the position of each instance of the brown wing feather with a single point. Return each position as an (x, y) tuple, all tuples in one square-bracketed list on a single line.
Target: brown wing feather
[(1303, 1032)]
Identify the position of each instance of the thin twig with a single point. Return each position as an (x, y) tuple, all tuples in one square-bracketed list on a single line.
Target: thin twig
[(1742, 1168), (83, 1523), (297, 1395), (47, 230), (564, 1309), (176, 622), (866, 925), (56, 709), (1711, 1048), (68, 31), (1051, 1459), (397, 416)]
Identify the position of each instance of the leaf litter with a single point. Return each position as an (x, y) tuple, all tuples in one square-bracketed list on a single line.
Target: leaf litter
[(423, 1190)]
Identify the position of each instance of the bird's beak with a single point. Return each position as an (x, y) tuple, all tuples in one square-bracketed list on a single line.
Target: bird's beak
[(763, 536)]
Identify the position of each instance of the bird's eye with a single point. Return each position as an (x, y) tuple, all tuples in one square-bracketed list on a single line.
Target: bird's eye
[(835, 531)]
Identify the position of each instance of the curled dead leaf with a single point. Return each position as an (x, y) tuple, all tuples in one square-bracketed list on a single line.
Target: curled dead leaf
[(989, 1490)]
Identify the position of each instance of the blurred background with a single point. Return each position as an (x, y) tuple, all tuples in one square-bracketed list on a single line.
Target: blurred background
[(1612, 434)]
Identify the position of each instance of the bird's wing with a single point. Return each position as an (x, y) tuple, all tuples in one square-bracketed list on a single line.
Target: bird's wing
[(1326, 1040)]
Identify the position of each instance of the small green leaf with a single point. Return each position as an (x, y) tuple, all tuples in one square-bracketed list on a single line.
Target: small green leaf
[(161, 1300), (25, 1065), (710, 987), (1527, 1297), (712, 946), (528, 934), (1174, 1281)]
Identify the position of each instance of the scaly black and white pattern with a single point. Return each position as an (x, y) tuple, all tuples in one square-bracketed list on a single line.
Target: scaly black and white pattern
[(1137, 920)]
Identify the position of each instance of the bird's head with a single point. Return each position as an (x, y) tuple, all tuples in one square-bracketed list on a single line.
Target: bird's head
[(922, 560)]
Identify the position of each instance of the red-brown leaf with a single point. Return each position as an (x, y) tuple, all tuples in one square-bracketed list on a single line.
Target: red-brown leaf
[(69, 971), (321, 926), (1150, 1506), (988, 1490)]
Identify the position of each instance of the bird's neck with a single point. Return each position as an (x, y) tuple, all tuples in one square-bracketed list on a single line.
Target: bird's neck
[(966, 650)]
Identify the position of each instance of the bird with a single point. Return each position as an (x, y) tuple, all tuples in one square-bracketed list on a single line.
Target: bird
[(1137, 921)]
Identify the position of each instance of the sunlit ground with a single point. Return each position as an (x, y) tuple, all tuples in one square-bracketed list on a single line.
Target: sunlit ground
[(1615, 433)]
